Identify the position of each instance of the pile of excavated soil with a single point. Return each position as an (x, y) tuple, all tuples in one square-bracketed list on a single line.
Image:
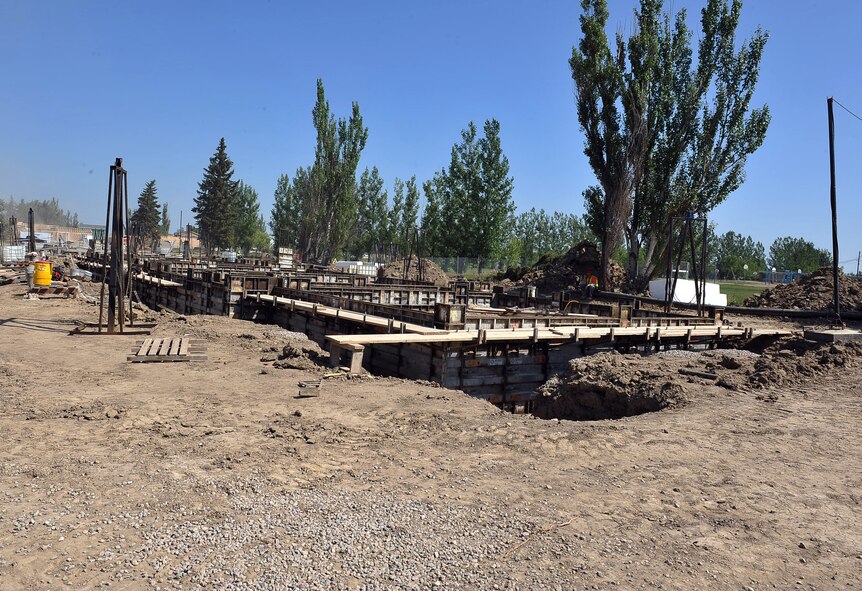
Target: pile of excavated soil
[(430, 271), (613, 385), (608, 386), (566, 271), (306, 355), (812, 292)]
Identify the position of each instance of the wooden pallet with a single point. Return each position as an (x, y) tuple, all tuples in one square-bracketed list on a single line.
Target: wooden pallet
[(168, 349), (67, 290)]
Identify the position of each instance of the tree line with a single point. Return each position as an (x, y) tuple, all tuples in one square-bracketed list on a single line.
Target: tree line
[(45, 211), (734, 256), (324, 211)]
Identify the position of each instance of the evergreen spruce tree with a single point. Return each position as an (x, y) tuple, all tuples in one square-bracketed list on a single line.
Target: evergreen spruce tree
[(215, 206), (146, 218)]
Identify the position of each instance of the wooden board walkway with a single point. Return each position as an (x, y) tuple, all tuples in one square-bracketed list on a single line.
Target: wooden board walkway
[(559, 333), (168, 349), (357, 317)]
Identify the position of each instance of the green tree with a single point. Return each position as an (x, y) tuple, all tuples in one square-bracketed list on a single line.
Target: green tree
[(395, 234), (260, 239), (475, 196), (329, 201), (247, 217), (791, 254), (372, 220), (215, 205), (433, 225), (286, 213), (538, 233), (165, 225), (494, 216), (410, 212), (666, 133), (146, 218), (45, 211), (732, 252)]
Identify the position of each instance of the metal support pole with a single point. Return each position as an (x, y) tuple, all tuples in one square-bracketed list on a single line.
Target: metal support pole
[(32, 224), (105, 244), (836, 302)]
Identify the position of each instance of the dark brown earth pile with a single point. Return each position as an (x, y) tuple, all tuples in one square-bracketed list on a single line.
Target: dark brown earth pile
[(430, 271), (812, 292), (609, 385), (306, 355), (612, 385), (791, 361), (566, 271)]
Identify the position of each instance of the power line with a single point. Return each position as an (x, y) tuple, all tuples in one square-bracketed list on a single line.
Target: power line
[(835, 100)]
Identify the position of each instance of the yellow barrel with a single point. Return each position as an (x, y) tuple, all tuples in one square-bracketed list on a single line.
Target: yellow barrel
[(42, 275)]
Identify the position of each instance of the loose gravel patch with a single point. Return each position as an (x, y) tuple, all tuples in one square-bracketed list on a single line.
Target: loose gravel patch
[(312, 539)]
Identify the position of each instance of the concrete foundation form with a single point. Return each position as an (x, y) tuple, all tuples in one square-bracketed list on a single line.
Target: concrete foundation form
[(453, 336)]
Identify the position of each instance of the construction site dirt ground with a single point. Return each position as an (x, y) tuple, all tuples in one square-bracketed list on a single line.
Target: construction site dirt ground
[(215, 475)]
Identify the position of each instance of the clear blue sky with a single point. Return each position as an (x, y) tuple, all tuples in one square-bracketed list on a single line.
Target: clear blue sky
[(158, 83)]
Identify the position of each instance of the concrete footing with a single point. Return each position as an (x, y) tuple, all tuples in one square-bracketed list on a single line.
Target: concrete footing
[(830, 335)]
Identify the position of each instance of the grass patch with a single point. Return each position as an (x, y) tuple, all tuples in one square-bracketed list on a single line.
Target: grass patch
[(738, 291)]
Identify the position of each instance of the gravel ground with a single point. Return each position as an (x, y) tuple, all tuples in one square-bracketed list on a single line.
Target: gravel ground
[(318, 540)]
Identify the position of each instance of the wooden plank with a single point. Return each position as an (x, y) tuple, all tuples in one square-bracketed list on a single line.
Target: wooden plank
[(184, 346), (175, 347), (145, 347), (154, 348)]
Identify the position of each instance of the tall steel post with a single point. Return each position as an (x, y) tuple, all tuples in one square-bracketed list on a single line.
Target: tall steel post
[(836, 300)]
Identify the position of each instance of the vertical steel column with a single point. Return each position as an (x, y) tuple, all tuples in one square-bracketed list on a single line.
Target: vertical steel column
[(836, 300)]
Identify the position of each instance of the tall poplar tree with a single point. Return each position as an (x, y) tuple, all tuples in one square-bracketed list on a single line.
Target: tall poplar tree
[(666, 133), (247, 218), (287, 210), (471, 200), (372, 223), (329, 201)]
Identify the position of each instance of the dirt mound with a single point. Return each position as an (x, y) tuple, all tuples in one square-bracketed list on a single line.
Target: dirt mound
[(612, 385), (430, 271), (812, 292), (305, 355), (567, 270), (608, 386), (791, 361)]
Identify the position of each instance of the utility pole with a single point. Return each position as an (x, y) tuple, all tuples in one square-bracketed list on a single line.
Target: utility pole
[(858, 259), (835, 298)]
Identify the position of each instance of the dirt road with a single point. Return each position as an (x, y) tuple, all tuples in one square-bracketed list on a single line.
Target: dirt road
[(214, 475)]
